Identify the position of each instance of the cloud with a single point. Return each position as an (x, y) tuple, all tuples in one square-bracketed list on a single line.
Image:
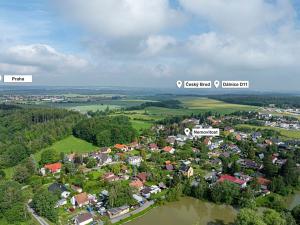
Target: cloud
[(121, 18), (257, 52), (156, 43), (241, 17), (38, 58)]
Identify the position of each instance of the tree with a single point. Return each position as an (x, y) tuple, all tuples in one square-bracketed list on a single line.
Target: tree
[(91, 163), (2, 175), (49, 156), (224, 192), (120, 194), (248, 217), (271, 217), (21, 174), (200, 191), (278, 186), (269, 168), (296, 213), (12, 205), (43, 203), (290, 173)]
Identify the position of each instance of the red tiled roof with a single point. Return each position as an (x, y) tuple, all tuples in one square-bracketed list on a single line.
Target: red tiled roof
[(167, 148), (136, 184), (142, 176), (120, 146), (53, 167), (263, 181), (81, 198), (231, 179)]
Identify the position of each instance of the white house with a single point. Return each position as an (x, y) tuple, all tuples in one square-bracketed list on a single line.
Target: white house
[(135, 160)]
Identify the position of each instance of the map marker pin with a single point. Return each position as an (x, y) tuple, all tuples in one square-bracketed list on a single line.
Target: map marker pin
[(216, 83), (179, 83), (187, 131)]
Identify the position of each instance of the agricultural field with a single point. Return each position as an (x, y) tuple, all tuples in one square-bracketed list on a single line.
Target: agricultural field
[(285, 134), (201, 103), (100, 107)]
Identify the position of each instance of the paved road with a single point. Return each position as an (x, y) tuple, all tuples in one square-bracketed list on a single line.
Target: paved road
[(143, 207), (38, 218)]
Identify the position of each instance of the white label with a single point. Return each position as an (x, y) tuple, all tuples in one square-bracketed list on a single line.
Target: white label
[(197, 84), (235, 84), (17, 78), (206, 132)]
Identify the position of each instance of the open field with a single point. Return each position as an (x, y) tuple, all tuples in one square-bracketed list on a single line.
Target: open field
[(68, 145), (86, 108), (286, 134), (213, 105)]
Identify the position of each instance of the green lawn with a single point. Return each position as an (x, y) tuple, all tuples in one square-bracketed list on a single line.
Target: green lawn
[(68, 145), (140, 125), (286, 134)]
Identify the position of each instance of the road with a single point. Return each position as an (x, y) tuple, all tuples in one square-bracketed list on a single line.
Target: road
[(38, 218), (143, 207)]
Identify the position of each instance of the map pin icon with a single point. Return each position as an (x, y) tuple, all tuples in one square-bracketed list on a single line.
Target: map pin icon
[(179, 83), (216, 83), (187, 131)]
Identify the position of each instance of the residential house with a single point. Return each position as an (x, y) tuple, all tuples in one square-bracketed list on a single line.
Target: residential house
[(148, 191), (80, 200), (169, 149), (110, 177), (105, 150), (58, 188), (207, 141), (186, 170), (249, 164), (232, 179), (52, 168), (76, 188), (119, 211), (102, 158), (171, 140), (121, 147), (135, 160), (153, 147), (61, 202), (136, 184), (83, 219), (133, 145), (142, 176), (229, 129)]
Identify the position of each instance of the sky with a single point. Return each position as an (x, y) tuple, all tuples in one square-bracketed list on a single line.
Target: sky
[(142, 43)]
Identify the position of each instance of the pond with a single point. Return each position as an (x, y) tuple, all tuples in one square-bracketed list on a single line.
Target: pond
[(188, 211)]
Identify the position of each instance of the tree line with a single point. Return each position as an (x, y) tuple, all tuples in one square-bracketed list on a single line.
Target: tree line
[(105, 131)]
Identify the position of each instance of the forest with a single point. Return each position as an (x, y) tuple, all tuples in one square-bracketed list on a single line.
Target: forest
[(281, 101), (171, 104), (25, 131), (105, 131)]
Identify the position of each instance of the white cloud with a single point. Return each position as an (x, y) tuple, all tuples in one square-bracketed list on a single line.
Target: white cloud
[(121, 18), (156, 43), (241, 17), (253, 53), (38, 58)]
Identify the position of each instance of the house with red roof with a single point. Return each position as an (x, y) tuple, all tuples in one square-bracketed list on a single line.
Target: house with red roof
[(232, 179), (136, 184), (52, 168), (169, 149), (121, 147)]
